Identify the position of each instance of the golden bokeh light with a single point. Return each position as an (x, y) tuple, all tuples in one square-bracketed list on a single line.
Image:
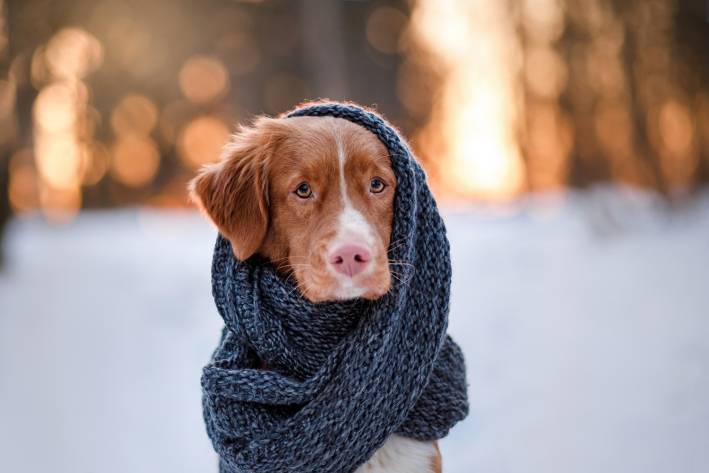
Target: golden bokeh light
[(134, 113), (60, 160), (201, 141), (96, 164), (484, 161), (22, 191), (471, 131), (543, 20), (545, 72), (203, 79), (56, 107), (678, 158), (72, 53), (549, 142), (499, 98), (23, 187), (384, 28), (59, 153), (134, 160), (676, 128), (64, 123)]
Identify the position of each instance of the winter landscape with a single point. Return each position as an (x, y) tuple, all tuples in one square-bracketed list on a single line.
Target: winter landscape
[(584, 320)]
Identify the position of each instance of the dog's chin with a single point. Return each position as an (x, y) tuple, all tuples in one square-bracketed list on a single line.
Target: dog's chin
[(343, 290)]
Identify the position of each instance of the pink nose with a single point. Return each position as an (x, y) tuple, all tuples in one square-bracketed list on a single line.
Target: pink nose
[(350, 260)]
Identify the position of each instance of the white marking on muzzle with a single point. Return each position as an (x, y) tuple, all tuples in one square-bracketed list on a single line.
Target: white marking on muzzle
[(352, 228)]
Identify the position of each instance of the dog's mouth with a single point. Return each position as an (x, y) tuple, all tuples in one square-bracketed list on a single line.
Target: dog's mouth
[(321, 285)]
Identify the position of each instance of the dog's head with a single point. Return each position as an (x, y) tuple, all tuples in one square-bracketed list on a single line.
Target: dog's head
[(314, 195)]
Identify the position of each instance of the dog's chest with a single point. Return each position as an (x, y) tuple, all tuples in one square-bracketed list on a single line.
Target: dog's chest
[(403, 455)]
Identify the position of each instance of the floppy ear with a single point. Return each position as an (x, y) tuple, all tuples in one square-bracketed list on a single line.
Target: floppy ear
[(233, 193)]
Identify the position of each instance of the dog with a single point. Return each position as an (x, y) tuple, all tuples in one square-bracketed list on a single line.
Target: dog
[(315, 196)]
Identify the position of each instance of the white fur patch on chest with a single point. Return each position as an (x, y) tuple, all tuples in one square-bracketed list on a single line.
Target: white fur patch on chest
[(401, 455)]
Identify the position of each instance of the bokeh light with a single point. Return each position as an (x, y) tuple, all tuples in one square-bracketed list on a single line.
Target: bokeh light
[(471, 130), (678, 157), (60, 160), (56, 107), (203, 79), (545, 72), (64, 124), (134, 113), (535, 122), (498, 98), (23, 190), (201, 140), (72, 53), (96, 166), (134, 160), (676, 128)]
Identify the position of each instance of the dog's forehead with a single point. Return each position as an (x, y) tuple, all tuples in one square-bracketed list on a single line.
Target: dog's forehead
[(329, 132), (318, 144), (335, 138)]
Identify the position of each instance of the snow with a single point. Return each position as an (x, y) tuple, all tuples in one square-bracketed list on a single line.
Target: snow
[(584, 321)]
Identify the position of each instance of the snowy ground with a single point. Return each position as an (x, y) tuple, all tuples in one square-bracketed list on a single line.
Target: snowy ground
[(585, 324)]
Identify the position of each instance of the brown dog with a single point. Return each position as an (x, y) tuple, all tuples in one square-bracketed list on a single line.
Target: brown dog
[(315, 196)]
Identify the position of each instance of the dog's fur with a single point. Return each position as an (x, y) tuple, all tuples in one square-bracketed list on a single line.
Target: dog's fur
[(314, 195)]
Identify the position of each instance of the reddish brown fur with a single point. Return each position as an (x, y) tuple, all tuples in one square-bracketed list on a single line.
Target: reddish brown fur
[(437, 460), (232, 192)]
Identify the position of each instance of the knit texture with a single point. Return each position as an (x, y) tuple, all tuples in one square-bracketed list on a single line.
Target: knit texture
[(342, 376)]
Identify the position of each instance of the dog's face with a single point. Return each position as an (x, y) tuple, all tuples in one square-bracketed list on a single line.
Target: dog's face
[(312, 194)]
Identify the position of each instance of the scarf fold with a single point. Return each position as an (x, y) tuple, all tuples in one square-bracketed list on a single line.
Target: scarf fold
[(342, 376)]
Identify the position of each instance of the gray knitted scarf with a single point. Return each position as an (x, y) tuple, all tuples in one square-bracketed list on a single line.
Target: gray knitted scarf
[(342, 376)]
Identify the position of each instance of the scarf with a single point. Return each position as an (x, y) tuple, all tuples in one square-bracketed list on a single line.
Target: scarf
[(342, 376)]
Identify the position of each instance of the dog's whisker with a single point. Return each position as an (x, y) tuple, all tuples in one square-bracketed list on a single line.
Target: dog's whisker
[(401, 263), (396, 244), (400, 279)]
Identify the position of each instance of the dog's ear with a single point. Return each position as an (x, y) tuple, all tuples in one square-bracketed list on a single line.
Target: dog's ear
[(233, 193)]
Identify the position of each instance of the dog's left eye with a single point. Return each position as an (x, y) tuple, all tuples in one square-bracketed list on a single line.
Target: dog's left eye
[(303, 190), (376, 185)]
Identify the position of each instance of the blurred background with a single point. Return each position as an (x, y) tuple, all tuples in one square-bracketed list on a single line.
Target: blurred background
[(567, 142)]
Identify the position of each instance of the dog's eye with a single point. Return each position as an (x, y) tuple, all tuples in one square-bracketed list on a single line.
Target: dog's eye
[(376, 185), (303, 190)]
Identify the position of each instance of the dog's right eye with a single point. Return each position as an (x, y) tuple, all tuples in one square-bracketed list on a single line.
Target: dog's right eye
[(303, 190)]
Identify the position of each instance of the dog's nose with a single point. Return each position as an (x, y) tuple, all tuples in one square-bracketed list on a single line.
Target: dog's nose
[(350, 260)]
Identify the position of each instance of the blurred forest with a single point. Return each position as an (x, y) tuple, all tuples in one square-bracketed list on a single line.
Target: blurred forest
[(107, 103)]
